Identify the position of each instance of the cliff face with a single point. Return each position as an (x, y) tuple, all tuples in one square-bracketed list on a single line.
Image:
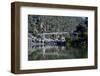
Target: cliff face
[(48, 24)]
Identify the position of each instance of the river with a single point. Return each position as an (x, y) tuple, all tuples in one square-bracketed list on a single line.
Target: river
[(41, 52)]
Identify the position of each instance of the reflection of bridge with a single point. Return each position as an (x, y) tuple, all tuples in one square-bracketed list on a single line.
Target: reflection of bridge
[(58, 40), (47, 50)]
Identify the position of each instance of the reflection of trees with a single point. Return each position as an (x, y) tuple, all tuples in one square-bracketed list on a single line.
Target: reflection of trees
[(56, 52)]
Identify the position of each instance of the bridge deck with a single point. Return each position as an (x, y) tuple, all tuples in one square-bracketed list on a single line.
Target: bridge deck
[(54, 33)]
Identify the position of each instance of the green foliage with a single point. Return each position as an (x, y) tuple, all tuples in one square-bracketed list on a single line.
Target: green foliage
[(68, 42), (82, 36), (79, 37)]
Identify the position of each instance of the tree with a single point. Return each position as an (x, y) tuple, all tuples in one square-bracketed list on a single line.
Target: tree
[(82, 36)]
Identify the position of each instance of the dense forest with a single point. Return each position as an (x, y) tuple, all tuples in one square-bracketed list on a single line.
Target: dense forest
[(39, 24)]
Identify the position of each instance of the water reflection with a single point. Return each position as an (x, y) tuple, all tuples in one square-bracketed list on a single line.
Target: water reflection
[(42, 52)]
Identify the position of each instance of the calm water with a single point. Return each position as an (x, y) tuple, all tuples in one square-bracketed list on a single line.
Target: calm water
[(55, 52)]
